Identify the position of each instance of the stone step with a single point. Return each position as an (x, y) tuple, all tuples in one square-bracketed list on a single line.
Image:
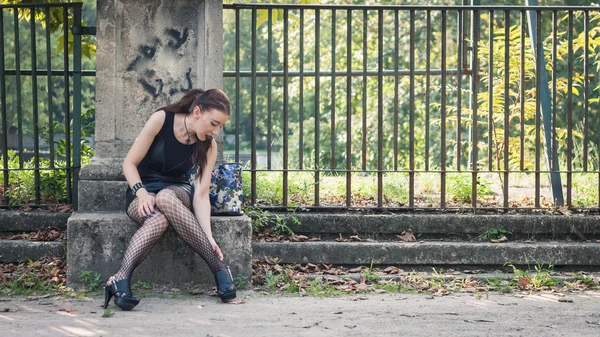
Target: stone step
[(22, 250), (431, 253), (97, 242), (448, 226), (19, 222)]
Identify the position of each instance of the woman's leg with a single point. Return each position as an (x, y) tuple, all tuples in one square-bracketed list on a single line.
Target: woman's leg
[(143, 240), (175, 204)]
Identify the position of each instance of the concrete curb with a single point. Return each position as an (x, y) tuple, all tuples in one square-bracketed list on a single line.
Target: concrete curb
[(431, 253), (522, 225), (22, 250), (11, 221)]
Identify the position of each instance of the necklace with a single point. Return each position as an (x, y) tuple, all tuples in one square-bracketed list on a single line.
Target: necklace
[(187, 141)]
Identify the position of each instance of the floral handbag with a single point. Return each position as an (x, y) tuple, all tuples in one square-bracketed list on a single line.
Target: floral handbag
[(226, 195)]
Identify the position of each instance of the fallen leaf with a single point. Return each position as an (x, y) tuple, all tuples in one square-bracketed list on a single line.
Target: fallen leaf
[(565, 210), (240, 301), (500, 240), (523, 282), (407, 236), (565, 300)]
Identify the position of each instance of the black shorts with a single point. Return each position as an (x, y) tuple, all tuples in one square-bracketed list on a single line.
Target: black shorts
[(155, 187)]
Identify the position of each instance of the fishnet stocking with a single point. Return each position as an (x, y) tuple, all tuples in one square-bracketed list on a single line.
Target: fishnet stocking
[(175, 204), (142, 241)]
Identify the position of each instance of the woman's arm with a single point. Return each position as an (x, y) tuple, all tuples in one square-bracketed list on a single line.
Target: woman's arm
[(138, 151), (201, 199)]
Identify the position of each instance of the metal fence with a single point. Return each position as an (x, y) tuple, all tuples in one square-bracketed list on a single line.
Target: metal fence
[(40, 103), (414, 107)]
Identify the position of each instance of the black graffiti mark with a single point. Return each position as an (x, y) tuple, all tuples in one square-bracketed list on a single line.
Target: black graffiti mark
[(155, 91), (145, 52), (188, 77), (177, 38)]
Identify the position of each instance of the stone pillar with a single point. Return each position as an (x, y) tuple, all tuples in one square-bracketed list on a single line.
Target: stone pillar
[(149, 53)]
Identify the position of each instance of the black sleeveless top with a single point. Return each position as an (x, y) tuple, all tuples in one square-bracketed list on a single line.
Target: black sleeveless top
[(168, 162)]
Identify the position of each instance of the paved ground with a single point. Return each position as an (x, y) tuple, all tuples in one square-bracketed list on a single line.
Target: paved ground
[(260, 315)]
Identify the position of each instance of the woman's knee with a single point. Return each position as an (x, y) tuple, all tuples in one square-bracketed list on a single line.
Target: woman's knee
[(165, 198), (158, 220)]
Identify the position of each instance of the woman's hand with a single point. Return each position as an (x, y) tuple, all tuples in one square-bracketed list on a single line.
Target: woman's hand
[(145, 202), (216, 248)]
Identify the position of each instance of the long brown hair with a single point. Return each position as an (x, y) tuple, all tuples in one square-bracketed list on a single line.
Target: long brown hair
[(211, 99)]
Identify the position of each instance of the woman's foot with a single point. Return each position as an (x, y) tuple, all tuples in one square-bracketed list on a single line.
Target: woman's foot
[(122, 293), (225, 286)]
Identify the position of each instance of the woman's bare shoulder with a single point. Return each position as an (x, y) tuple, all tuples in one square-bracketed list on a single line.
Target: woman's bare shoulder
[(156, 121)]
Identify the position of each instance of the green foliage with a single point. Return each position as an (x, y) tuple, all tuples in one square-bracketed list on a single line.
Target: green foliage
[(282, 281), (142, 285), (588, 280), (241, 282), (277, 223), (21, 182), (494, 234), (460, 186), (90, 280), (538, 278)]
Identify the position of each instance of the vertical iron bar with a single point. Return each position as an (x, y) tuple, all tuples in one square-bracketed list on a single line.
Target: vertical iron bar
[(253, 109), (364, 92), (76, 103), (396, 84), (34, 100), (50, 89), (301, 94), (490, 91), (411, 111), (443, 115), (507, 40), (427, 88), (333, 60), (474, 103), (285, 105), (570, 110), (554, 84), (538, 84), (380, 108), (586, 51), (349, 108), (237, 85), (67, 102), (522, 95), (18, 87), (5, 171), (459, 66), (317, 103), (269, 84)]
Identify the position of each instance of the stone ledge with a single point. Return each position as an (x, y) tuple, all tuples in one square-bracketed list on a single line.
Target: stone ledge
[(97, 241), (445, 224), (22, 250), (432, 253), (102, 195), (11, 221)]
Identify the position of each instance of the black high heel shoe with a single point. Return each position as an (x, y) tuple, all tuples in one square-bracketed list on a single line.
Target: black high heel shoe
[(225, 286), (122, 292)]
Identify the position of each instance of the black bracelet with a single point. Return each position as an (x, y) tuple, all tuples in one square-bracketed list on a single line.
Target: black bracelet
[(136, 187)]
